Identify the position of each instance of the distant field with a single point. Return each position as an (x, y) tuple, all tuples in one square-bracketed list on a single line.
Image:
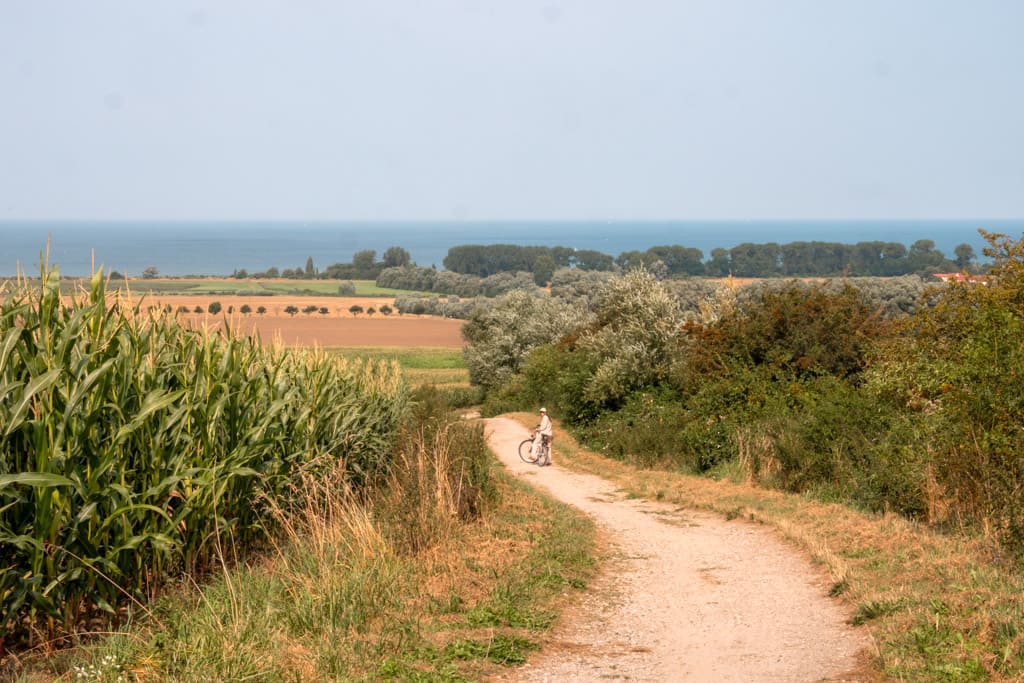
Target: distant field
[(228, 285), (420, 365)]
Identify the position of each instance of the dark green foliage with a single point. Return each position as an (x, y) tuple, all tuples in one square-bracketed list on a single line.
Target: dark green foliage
[(961, 368), (556, 376), (796, 332)]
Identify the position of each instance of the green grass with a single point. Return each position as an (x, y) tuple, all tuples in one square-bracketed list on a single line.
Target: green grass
[(420, 365)]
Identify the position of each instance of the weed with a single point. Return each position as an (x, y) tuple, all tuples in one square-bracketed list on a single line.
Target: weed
[(874, 609)]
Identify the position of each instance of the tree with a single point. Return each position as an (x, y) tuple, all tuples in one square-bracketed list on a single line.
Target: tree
[(923, 257), (678, 260), (364, 263), (543, 269), (150, 272), (245, 309), (720, 264), (231, 309), (214, 307), (241, 274), (396, 257), (310, 309), (754, 260), (310, 271), (628, 260), (385, 309), (355, 310), (291, 310), (197, 309), (272, 272), (370, 311), (964, 256), (589, 259), (261, 310), (324, 310)]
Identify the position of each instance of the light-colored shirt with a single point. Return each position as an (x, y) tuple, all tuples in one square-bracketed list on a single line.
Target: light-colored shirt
[(545, 424)]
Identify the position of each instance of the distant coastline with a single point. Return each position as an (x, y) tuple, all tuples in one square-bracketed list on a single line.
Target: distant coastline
[(179, 248)]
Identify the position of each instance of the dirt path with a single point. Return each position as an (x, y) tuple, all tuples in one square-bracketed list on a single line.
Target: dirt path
[(689, 596)]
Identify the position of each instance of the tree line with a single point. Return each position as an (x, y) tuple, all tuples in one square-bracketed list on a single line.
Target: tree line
[(364, 266), (771, 259)]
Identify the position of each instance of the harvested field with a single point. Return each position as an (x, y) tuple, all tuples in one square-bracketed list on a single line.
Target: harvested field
[(338, 327)]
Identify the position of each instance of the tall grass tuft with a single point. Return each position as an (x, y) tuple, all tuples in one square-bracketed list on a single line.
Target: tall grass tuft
[(130, 445)]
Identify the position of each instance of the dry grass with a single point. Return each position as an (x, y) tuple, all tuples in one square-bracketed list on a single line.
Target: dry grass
[(938, 607)]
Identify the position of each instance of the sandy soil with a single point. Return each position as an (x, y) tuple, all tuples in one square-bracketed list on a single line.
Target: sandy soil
[(303, 330), (688, 596)]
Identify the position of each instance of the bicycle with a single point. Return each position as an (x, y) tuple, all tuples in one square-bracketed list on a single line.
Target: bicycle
[(531, 455)]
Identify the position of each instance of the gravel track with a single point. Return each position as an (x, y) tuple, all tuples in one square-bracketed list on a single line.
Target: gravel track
[(687, 595)]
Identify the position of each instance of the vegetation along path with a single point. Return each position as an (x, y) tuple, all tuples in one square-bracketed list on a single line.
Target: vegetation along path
[(688, 596)]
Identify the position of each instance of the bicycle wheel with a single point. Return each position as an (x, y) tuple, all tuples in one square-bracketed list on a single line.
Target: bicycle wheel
[(526, 451)]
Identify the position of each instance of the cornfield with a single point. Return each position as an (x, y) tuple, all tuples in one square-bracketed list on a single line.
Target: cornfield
[(131, 446)]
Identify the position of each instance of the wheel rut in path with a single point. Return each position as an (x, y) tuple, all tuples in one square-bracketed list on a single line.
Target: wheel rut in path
[(688, 596)]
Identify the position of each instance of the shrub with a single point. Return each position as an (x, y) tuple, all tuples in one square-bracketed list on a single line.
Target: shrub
[(498, 338), (634, 338)]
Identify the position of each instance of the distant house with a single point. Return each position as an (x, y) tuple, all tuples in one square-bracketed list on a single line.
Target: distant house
[(962, 277)]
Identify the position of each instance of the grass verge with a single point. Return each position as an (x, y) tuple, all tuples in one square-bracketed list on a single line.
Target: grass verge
[(338, 599), (938, 607), (420, 365)]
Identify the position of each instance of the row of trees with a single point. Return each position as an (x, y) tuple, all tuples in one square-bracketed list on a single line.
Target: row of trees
[(419, 279), (804, 387), (364, 266), (794, 259)]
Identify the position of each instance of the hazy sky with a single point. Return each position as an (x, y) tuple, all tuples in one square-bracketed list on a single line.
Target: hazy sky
[(508, 109)]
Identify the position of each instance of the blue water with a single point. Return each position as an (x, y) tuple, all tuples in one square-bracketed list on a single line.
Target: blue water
[(219, 248)]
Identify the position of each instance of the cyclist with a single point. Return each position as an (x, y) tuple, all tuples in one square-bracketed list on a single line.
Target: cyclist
[(545, 435)]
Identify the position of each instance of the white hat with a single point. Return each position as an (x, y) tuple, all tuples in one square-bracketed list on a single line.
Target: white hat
[(543, 410)]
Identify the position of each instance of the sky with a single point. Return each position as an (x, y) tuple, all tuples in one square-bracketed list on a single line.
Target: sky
[(511, 109)]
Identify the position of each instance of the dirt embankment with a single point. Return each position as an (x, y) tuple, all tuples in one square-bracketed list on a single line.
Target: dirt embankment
[(687, 595)]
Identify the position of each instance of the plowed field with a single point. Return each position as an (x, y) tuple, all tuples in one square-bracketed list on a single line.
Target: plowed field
[(338, 327)]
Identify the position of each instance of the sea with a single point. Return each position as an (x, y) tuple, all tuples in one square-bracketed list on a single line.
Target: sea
[(181, 248)]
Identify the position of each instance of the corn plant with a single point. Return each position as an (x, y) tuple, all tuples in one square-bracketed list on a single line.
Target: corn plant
[(130, 445)]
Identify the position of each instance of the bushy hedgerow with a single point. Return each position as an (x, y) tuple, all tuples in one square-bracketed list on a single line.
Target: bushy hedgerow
[(578, 287), (413, 278), (447, 307), (499, 337)]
